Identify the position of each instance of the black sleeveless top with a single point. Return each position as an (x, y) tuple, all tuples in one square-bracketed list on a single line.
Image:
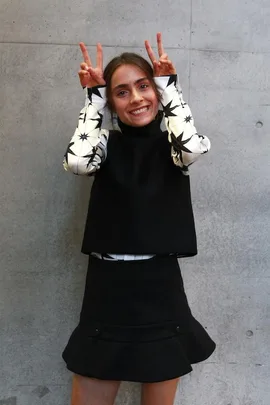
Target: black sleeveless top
[(140, 201)]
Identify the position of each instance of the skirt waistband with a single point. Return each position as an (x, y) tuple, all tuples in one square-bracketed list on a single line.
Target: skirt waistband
[(125, 257)]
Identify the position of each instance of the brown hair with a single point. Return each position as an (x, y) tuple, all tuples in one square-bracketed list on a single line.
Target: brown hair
[(126, 58)]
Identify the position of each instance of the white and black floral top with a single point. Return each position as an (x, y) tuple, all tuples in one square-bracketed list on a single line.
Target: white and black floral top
[(87, 149)]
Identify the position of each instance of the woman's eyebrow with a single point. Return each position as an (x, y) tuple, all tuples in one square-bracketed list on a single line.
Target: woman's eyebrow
[(120, 86)]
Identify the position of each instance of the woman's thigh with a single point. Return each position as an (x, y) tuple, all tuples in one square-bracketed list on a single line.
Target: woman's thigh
[(161, 393), (90, 391)]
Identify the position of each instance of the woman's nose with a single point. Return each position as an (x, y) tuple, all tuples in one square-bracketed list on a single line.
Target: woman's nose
[(136, 96)]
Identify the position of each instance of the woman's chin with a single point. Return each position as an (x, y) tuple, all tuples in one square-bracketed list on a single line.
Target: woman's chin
[(141, 121)]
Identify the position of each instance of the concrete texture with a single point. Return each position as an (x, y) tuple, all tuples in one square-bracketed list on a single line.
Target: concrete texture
[(222, 54)]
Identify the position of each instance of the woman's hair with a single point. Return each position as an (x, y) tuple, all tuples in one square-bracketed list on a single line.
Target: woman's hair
[(126, 58)]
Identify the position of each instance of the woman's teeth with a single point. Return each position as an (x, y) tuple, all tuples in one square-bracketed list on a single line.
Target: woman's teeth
[(140, 111)]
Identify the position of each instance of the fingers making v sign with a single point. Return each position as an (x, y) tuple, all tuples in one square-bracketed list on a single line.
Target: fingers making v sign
[(163, 66), (90, 76)]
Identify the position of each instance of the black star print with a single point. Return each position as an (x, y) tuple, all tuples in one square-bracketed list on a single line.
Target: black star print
[(93, 90), (96, 91), (171, 80), (82, 116), (89, 93), (83, 137), (188, 118), (178, 144), (99, 120), (91, 156), (69, 151), (167, 109)]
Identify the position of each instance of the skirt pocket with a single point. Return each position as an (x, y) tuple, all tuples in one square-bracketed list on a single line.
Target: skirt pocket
[(129, 334)]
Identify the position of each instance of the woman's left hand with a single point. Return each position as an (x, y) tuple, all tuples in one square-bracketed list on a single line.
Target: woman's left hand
[(163, 66)]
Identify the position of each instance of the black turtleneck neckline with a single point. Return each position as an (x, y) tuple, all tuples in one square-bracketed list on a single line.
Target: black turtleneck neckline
[(149, 130)]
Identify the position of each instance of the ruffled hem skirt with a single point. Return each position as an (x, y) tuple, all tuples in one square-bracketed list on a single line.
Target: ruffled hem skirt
[(135, 323)]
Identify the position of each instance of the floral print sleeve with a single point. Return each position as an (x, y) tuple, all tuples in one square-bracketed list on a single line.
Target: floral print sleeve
[(187, 144), (88, 147)]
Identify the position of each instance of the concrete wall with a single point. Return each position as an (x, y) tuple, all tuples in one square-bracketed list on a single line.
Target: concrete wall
[(222, 53)]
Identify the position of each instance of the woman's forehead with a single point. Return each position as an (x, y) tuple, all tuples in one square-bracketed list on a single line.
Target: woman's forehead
[(127, 74)]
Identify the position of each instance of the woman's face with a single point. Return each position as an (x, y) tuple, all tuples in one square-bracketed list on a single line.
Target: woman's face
[(133, 96)]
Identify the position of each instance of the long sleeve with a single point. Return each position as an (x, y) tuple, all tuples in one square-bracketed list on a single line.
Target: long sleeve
[(187, 144), (88, 146)]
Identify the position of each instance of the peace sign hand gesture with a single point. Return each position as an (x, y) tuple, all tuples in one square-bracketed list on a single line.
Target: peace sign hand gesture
[(90, 76), (164, 66)]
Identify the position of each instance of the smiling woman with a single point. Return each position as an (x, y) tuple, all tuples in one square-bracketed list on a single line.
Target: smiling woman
[(135, 101), (135, 323), (139, 72)]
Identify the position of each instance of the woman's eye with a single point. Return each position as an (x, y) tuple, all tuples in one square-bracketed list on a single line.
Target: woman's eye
[(144, 86), (121, 93)]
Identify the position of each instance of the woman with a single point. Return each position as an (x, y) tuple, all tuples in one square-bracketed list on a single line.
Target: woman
[(135, 322)]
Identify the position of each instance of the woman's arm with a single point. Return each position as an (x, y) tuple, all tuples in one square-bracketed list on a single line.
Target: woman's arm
[(187, 145), (87, 148)]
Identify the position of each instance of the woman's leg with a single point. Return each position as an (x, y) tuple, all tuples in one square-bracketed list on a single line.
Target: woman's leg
[(161, 393), (89, 391)]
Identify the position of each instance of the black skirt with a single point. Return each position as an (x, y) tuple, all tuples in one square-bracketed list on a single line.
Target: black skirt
[(135, 323)]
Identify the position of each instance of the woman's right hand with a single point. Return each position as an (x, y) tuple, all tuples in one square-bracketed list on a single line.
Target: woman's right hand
[(90, 76)]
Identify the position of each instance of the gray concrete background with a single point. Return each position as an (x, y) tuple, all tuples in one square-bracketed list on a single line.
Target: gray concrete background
[(222, 54)]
